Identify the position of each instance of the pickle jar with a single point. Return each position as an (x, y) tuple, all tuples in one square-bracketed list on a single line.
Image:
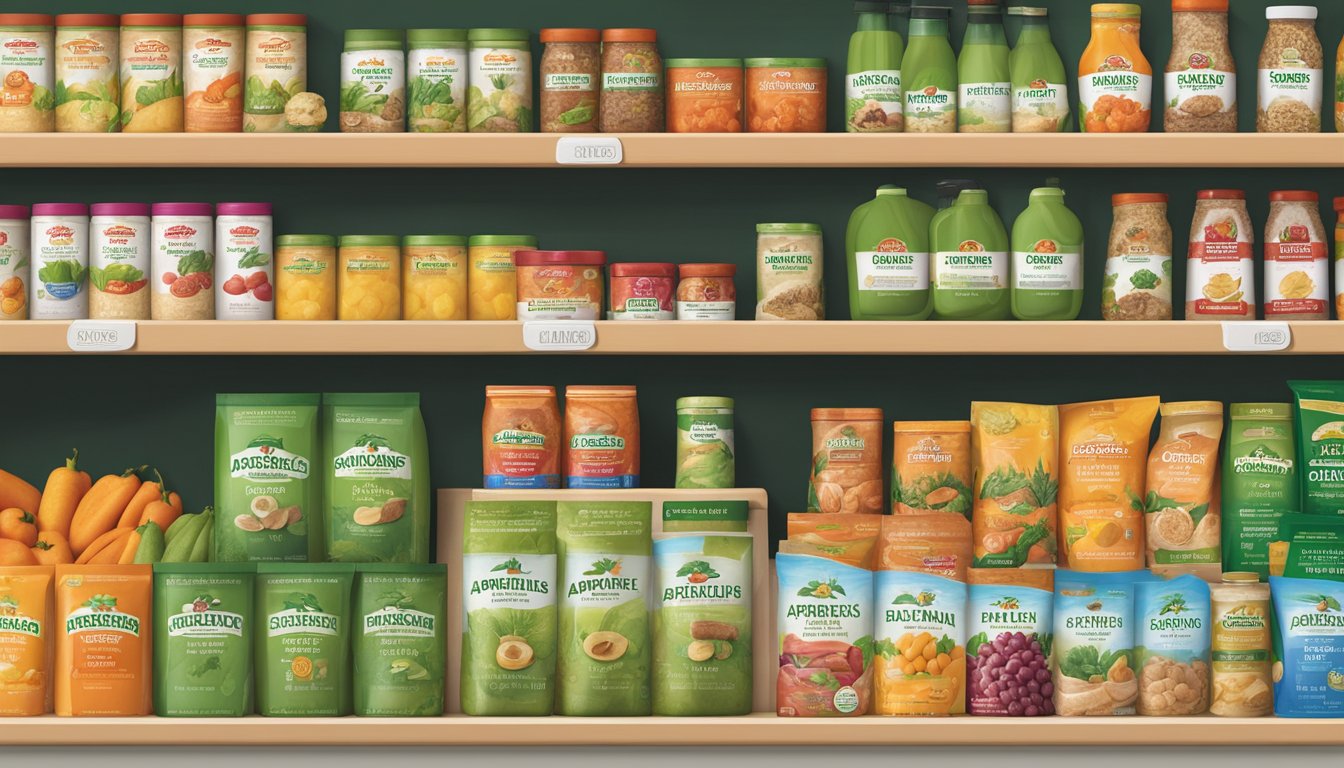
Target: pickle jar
[(434, 277), (369, 280), (305, 277)]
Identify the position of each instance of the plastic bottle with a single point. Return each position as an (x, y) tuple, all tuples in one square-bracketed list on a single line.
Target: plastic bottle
[(1115, 80), (985, 95), (950, 189), (970, 264), (1047, 271), (929, 74), (873, 101), (1040, 86), (888, 246)]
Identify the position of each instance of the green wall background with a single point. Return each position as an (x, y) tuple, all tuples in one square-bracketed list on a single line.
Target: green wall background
[(131, 410)]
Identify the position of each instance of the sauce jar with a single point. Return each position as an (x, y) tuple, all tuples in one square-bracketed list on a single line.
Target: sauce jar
[(1339, 252), (182, 261), (305, 277), (434, 277), (14, 228), (632, 82), (704, 95), (559, 285), (786, 95), (571, 70), (244, 245), (1297, 271), (1220, 268), (642, 291), (369, 280), (492, 283), (707, 292)]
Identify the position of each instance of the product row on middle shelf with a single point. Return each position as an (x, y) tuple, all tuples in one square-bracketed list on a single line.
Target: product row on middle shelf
[(904, 261), (225, 72)]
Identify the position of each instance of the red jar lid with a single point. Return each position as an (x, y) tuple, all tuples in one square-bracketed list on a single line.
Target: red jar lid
[(570, 35), (1222, 194), (1134, 198), (575, 258), (708, 270), (1339, 204), (25, 19), (1294, 196), (151, 20), (643, 269), (277, 20), (88, 20), (629, 36), (212, 20)]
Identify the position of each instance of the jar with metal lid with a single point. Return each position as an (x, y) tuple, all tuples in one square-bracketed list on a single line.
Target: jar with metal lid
[(1201, 76), (1220, 267), (559, 285), (436, 80), (705, 447), (1297, 267), (1291, 75), (14, 237), (642, 291), (305, 277), (571, 73), (707, 292), (1137, 283), (632, 82), (704, 95), (434, 277), (368, 282)]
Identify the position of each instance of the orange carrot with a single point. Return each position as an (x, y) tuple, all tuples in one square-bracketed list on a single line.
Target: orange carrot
[(128, 549), (104, 543), (146, 493), (101, 508), (16, 492), (163, 510)]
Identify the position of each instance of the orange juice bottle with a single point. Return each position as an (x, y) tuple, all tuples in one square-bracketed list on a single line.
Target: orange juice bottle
[(103, 654), (1115, 81), (25, 640)]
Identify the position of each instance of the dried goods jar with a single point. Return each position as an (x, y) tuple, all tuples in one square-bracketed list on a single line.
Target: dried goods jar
[(1201, 77), (275, 70), (305, 277), (119, 261), (1291, 75), (14, 268), (560, 285), (789, 272), (786, 95), (212, 72), (571, 76), (704, 95), (499, 99), (182, 261), (368, 279), (27, 73), (436, 80), (88, 91), (707, 292), (59, 262), (1220, 265), (434, 277), (492, 281), (244, 267), (1297, 268), (642, 291), (373, 81), (632, 82), (1137, 282), (151, 73)]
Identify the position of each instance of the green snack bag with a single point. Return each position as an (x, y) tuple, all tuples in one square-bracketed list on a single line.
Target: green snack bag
[(1259, 482), (377, 478), (203, 639), (267, 497), (702, 626), (399, 655), (604, 553), (1319, 415), (509, 598), (303, 639)]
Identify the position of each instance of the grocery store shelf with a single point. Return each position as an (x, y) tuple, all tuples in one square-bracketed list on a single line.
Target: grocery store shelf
[(676, 338), (754, 730), (653, 150)]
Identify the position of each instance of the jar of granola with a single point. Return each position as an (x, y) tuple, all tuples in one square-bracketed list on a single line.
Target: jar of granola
[(571, 69), (1297, 270), (1137, 284), (632, 82), (707, 292), (1201, 74), (305, 277), (1291, 72), (1220, 267)]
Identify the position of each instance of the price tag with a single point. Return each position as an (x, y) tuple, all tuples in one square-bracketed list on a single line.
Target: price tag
[(589, 150), (1257, 336), (100, 335), (559, 335)]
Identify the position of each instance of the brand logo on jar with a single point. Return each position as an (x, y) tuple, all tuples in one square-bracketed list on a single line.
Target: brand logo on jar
[(244, 230), (1200, 61), (891, 245), (497, 57), (21, 46), (441, 61), (372, 63), (781, 74), (705, 74), (179, 232), (561, 272), (60, 232), (1116, 62), (275, 45), (83, 46), (213, 43), (1038, 84), (119, 230), (4, 238), (150, 46), (970, 246)]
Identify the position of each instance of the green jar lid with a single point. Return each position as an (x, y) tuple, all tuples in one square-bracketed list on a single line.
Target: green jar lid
[(497, 35), (322, 241), (372, 39), (674, 63), (367, 241), (789, 63), (781, 229), (429, 38), (457, 240), (704, 402), (527, 241)]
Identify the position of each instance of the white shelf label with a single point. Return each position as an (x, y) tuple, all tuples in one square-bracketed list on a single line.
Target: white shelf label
[(589, 150), (559, 335), (1256, 336), (100, 335)]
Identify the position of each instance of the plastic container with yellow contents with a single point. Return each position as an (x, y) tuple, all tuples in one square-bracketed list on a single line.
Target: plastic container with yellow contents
[(369, 280), (434, 277), (492, 281), (305, 277)]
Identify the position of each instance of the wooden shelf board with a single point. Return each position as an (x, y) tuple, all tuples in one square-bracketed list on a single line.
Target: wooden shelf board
[(216, 337), (758, 729), (654, 150)]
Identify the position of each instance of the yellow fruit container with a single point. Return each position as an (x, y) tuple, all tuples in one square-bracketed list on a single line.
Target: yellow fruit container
[(434, 277), (369, 280), (305, 277), (492, 282)]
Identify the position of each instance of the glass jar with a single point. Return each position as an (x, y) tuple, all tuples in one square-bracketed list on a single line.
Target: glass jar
[(705, 450), (369, 281), (571, 69), (500, 75), (632, 82), (786, 95), (182, 261), (1201, 77), (559, 285), (704, 95), (642, 291), (305, 277), (492, 280), (14, 271), (789, 272), (1220, 267), (436, 77), (1241, 644), (434, 277), (373, 81), (1297, 268), (1292, 77), (1137, 283), (707, 292)]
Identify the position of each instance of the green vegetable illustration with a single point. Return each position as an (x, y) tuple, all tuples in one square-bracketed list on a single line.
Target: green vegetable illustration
[(1145, 280)]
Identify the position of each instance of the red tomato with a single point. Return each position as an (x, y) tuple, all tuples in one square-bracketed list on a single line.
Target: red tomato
[(185, 288), (255, 279), (168, 278), (262, 292), (234, 286), (203, 279)]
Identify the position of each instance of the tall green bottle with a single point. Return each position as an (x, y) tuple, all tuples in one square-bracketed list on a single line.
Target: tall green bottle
[(873, 77), (1047, 275), (887, 242), (1040, 87), (970, 263), (985, 95)]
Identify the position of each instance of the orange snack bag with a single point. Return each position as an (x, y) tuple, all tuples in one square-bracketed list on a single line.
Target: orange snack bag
[(931, 467), (846, 461), (1184, 521), (1104, 447), (1015, 458), (848, 539), (103, 644), (937, 544), (520, 437), (25, 640), (601, 437)]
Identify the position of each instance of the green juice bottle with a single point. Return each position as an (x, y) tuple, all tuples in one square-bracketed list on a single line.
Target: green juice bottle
[(888, 246), (970, 263), (985, 97), (873, 78), (1040, 88), (1047, 277), (929, 73)]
